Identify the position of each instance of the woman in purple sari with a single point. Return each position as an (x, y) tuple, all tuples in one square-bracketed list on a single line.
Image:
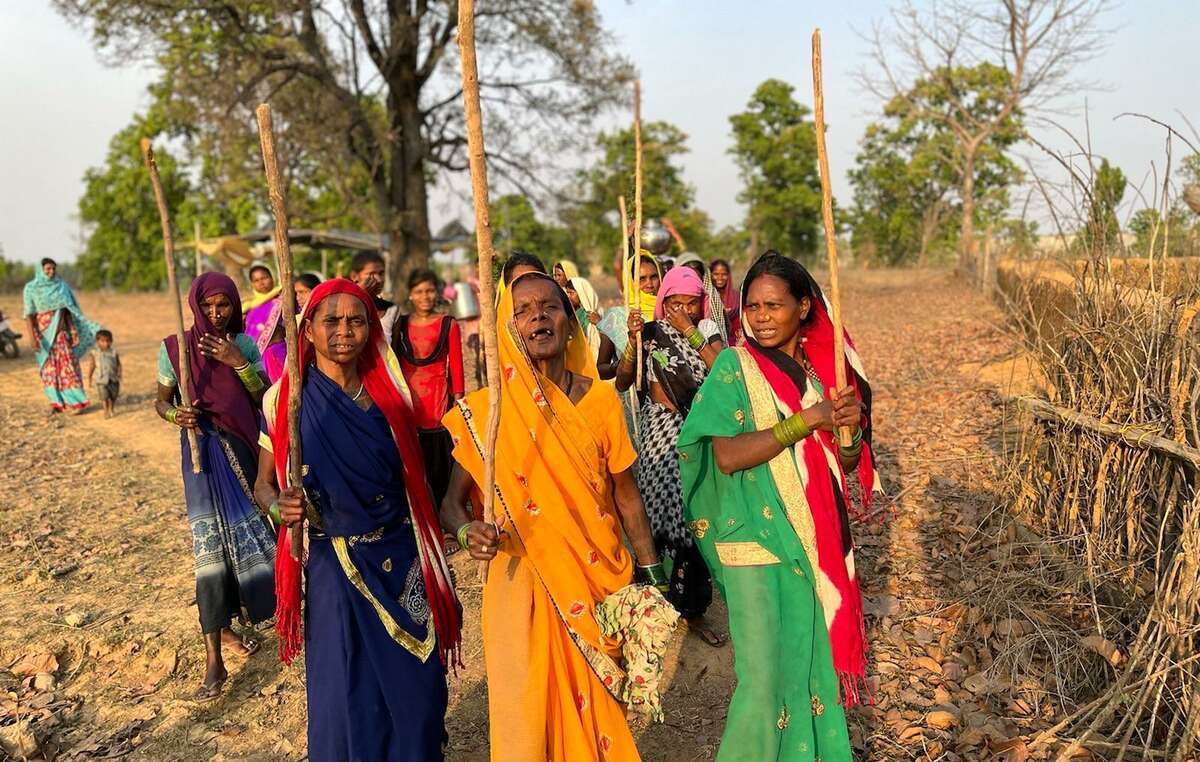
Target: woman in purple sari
[(232, 541)]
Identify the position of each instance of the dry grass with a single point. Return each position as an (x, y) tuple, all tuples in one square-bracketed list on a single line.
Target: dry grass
[(1109, 532)]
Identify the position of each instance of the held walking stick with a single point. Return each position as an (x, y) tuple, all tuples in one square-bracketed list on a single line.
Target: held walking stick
[(632, 300), (483, 239), (835, 299), (287, 297), (637, 210), (185, 396)]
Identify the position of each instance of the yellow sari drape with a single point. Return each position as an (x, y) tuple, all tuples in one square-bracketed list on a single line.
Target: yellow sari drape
[(645, 302), (552, 675), (570, 269), (258, 298)]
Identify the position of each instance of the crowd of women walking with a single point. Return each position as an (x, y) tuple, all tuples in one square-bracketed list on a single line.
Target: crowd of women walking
[(683, 437)]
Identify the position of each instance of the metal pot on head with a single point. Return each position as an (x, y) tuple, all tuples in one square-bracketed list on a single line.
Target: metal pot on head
[(466, 303), (655, 237)]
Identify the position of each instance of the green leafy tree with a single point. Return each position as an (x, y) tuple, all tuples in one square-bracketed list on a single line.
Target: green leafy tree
[(974, 68), (1108, 188), (124, 240), (775, 147), (515, 226), (375, 85), (908, 177), (13, 276), (665, 193)]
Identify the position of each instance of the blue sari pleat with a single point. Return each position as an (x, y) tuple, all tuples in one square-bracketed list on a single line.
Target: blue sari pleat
[(233, 544), (369, 697)]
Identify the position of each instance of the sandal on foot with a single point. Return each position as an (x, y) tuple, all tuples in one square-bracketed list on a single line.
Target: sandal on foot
[(208, 692), (708, 635)]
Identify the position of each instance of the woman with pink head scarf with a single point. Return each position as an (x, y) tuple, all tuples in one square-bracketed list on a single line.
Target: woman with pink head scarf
[(680, 346)]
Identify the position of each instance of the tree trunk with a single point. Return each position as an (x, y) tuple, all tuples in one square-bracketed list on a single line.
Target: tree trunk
[(409, 220), (929, 225), (966, 238)]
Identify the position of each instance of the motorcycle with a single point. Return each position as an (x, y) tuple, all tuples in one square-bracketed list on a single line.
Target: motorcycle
[(8, 339)]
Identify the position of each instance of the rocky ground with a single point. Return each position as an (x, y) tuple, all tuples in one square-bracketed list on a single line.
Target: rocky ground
[(99, 644)]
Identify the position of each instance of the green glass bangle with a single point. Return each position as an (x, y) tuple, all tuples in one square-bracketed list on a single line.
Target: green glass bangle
[(654, 574), (695, 338), (273, 512), (461, 535), (171, 415), (790, 430), (853, 451), (250, 378)]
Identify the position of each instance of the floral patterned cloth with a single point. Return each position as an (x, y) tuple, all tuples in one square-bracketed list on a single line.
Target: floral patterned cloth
[(62, 381), (642, 620)]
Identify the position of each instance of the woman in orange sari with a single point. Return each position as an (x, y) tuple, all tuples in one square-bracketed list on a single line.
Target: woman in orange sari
[(568, 641)]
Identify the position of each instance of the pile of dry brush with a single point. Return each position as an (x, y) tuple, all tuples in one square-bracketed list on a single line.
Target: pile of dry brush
[(1105, 531)]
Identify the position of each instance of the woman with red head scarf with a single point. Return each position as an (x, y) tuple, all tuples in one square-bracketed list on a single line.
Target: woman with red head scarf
[(680, 345), (232, 541), (769, 494), (381, 621)]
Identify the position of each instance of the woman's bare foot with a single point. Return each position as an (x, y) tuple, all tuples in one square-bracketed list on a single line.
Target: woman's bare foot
[(245, 645)]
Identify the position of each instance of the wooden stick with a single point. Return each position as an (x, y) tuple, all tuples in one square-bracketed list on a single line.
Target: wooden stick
[(287, 297), (185, 395), (1134, 436), (483, 239), (196, 243), (835, 298), (637, 211), (632, 300)]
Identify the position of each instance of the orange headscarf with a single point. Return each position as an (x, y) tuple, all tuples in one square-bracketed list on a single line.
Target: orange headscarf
[(553, 495)]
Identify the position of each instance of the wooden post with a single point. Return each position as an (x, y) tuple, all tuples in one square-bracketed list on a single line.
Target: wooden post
[(287, 297), (632, 301), (185, 395), (196, 244), (637, 211), (835, 299), (324, 264), (483, 240)]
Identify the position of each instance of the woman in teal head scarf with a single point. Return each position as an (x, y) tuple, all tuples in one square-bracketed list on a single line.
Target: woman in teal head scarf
[(60, 335)]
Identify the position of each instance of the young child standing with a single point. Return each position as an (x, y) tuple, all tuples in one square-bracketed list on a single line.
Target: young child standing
[(104, 371)]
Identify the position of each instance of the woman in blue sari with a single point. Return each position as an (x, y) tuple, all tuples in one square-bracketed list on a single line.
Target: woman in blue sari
[(381, 621), (60, 335), (232, 542)]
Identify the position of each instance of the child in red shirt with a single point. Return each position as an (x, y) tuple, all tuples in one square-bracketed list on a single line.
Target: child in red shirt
[(429, 348)]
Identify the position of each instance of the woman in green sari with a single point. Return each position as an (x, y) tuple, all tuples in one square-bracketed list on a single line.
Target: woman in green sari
[(765, 492)]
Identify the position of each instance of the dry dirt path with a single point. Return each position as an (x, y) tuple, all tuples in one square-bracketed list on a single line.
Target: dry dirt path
[(96, 582)]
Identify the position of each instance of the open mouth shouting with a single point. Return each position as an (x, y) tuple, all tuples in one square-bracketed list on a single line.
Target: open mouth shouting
[(541, 335)]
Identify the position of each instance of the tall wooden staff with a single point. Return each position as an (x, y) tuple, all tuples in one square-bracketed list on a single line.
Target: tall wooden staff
[(287, 298), (196, 243), (483, 239), (835, 299), (632, 300), (637, 211), (185, 395)]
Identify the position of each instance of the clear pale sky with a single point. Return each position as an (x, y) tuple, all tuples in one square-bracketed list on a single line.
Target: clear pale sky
[(699, 61)]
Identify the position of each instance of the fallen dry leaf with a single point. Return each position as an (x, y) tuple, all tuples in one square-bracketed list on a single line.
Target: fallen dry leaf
[(941, 719), (1105, 648), (33, 663), (18, 740)]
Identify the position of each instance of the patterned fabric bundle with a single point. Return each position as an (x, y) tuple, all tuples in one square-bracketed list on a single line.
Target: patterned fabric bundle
[(639, 617)]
